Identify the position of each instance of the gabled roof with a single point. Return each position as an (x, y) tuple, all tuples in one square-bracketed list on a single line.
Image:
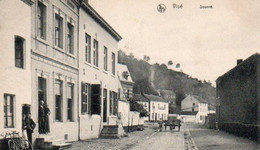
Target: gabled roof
[(122, 71), (191, 113), (139, 97), (88, 9), (252, 57), (155, 98), (195, 97)]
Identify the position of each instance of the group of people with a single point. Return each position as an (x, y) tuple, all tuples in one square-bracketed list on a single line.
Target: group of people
[(43, 120)]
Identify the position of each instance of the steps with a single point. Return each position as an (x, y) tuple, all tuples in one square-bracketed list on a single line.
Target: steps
[(50, 142), (112, 131)]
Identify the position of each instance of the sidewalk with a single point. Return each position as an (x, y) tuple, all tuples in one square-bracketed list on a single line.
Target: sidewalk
[(207, 139), (115, 144)]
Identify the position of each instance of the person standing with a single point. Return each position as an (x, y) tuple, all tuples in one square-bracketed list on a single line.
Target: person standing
[(29, 125), (47, 112), (41, 117)]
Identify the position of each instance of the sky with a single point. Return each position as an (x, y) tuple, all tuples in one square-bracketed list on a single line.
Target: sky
[(206, 42)]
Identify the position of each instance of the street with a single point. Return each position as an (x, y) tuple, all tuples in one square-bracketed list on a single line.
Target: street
[(151, 139)]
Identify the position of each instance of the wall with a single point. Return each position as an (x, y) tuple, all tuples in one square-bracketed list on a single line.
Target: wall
[(238, 94), (15, 81), (124, 112), (91, 74), (187, 104), (159, 109), (202, 113), (51, 62)]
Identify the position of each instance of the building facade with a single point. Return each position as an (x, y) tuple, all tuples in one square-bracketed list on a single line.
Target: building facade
[(15, 68), (97, 73), (126, 80), (238, 95), (159, 108), (54, 69), (196, 106)]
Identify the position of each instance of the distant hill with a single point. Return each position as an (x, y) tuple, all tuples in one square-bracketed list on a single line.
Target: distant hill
[(149, 77)]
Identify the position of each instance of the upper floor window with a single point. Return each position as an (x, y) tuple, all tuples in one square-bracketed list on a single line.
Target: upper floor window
[(41, 14), (8, 111), (88, 48), (19, 52), (105, 58), (95, 53), (113, 64), (58, 30), (70, 38)]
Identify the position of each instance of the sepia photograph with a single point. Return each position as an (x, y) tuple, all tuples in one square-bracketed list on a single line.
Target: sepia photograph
[(129, 75)]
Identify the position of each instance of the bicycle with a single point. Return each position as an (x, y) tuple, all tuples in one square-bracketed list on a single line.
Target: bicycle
[(16, 142)]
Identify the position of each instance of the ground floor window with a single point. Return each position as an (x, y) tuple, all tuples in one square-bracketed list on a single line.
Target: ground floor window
[(58, 100), (95, 99), (70, 95), (8, 111), (113, 103)]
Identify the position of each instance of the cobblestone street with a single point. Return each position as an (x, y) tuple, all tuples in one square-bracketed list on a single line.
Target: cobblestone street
[(150, 138), (191, 137)]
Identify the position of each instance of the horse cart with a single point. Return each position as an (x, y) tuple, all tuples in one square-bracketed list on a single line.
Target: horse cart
[(172, 122)]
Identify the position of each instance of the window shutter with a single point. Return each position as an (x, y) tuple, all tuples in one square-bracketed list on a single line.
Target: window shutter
[(83, 98), (89, 99)]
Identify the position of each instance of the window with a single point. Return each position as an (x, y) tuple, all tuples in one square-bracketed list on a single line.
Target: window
[(200, 117), (42, 90), (104, 105), (70, 38), (41, 14), (95, 53), (88, 48), (58, 30), (111, 103), (95, 99), (105, 58), (58, 100), (115, 104), (152, 115), (8, 111), (19, 52), (193, 106), (113, 64), (70, 100), (85, 97)]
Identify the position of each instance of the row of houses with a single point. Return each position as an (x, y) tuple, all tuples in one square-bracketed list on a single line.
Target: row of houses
[(65, 54)]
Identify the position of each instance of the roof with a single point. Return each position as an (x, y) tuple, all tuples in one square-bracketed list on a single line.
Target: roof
[(155, 98), (193, 113), (254, 56), (100, 20), (199, 99), (139, 97), (124, 74)]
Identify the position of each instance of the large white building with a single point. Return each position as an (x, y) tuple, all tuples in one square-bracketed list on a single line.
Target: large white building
[(194, 109), (98, 48), (15, 68)]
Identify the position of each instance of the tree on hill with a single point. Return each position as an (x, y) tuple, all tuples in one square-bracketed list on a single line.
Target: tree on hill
[(134, 106)]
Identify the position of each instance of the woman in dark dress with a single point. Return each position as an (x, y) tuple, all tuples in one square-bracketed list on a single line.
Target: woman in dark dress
[(46, 119), (41, 118)]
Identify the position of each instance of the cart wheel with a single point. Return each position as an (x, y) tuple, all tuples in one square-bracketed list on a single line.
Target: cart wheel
[(12, 145)]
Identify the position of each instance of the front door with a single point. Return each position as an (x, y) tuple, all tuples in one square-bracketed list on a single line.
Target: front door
[(105, 105), (41, 97)]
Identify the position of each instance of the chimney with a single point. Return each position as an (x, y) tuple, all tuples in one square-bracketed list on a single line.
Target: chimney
[(239, 61)]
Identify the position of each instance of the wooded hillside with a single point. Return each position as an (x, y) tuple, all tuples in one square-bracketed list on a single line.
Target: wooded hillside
[(149, 77)]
